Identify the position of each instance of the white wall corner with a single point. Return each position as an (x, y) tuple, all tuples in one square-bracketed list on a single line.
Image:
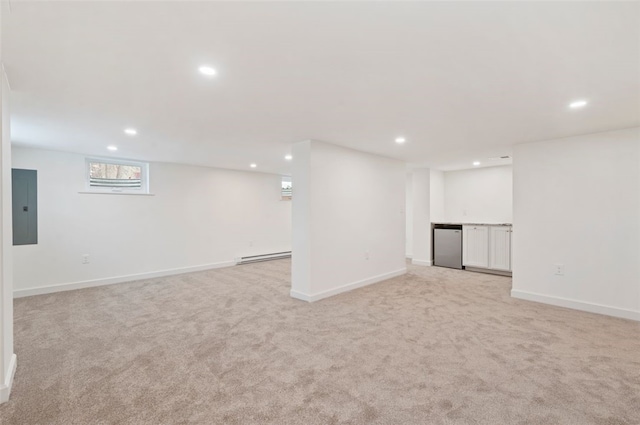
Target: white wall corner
[(577, 305), (300, 296), (348, 287), (5, 387)]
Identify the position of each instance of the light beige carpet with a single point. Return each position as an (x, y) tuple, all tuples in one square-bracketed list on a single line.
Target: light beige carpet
[(229, 346)]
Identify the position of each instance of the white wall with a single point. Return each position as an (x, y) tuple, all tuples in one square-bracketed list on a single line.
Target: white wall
[(436, 195), (577, 203), (199, 218), (479, 195), (346, 204), (430, 193), (409, 215), (421, 200), (7, 357), (302, 218)]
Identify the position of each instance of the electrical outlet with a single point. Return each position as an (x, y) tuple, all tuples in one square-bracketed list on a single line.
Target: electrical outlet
[(366, 255), (559, 269), (250, 243), (85, 258)]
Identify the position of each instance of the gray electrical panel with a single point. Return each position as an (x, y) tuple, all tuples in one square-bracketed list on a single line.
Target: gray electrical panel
[(25, 206)]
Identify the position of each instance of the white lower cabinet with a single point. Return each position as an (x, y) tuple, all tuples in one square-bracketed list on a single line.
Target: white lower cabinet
[(475, 246), (500, 248), (487, 247)]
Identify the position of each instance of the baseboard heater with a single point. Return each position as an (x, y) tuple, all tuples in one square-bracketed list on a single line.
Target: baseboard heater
[(263, 257)]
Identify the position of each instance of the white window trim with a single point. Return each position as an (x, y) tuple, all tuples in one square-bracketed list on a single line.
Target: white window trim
[(144, 177), (286, 179)]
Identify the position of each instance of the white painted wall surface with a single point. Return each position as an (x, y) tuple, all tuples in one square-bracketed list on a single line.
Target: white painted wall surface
[(421, 195), (436, 195), (199, 218), (7, 357), (302, 217), (409, 215), (479, 195), (354, 205), (577, 203), (6, 297)]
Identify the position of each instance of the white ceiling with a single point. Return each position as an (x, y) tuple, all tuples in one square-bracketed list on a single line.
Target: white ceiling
[(460, 80)]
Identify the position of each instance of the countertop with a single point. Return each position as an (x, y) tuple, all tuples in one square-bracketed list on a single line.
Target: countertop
[(471, 224)]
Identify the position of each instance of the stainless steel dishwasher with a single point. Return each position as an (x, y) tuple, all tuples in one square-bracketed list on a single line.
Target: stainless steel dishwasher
[(447, 245)]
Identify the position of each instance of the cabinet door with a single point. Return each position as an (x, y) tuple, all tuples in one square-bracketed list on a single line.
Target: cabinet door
[(475, 246), (500, 248)]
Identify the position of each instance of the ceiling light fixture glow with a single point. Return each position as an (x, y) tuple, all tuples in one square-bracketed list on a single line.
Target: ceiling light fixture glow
[(288, 157), (207, 70), (400, 140), (130, 131), (577, 104), (112, 148), (476, 163), (253, 165)]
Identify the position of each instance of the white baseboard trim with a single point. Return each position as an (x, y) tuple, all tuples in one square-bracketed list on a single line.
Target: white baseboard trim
[(577, 305), (19, 293), (5, 387), (417, 262), (348, 287)]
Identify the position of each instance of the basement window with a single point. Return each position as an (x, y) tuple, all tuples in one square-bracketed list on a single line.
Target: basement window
[(286, 189), (116, 176)]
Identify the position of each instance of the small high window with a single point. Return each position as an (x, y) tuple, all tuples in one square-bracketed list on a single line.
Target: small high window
[(286, 188), (109, 175)]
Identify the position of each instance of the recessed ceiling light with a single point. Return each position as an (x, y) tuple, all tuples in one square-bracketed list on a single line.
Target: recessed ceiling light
[(476, 163), (131, 131), (207, 70), (577, 104), (288, 157), (400, 140), (253, 165), (112, 148)]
